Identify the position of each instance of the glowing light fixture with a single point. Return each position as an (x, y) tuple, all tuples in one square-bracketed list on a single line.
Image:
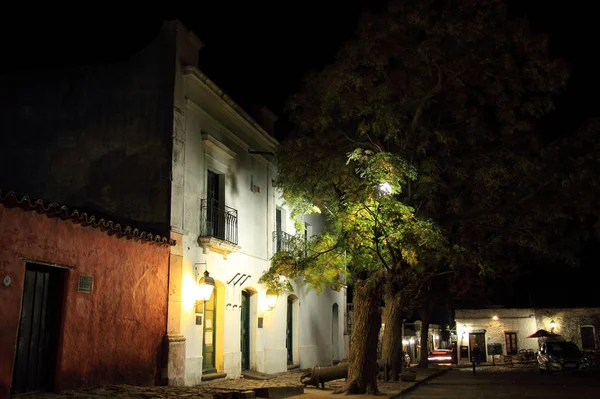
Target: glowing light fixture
[(495, 317), (412, 341), (205, 287), (271, 298), (385, 188), (553, 324)]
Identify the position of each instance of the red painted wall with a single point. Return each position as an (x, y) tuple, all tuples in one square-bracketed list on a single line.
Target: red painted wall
[(113, 335)]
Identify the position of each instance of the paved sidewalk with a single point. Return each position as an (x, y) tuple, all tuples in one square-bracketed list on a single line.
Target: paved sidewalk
[(287, 383)]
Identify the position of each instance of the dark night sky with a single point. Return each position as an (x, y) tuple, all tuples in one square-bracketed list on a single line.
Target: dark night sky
[(259, 54)]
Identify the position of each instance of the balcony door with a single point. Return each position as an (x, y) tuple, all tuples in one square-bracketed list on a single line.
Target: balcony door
[(214, 216), (278, 229)]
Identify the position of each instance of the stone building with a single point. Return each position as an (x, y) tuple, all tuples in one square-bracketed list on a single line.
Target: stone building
[(579, 325), (510, 327), (153, 144)]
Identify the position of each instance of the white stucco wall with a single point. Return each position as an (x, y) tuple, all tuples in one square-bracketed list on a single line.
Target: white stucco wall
[(521, 321), (200, 111)]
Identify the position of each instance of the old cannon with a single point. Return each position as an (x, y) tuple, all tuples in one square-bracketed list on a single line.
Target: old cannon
[(322, 374)]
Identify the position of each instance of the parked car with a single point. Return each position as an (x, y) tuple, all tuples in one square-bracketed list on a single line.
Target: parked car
[(560, 356)]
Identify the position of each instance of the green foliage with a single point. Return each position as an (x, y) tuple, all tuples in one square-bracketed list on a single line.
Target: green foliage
[(441, 101)]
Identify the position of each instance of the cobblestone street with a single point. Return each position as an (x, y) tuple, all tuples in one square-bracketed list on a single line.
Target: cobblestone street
[(223, 388)]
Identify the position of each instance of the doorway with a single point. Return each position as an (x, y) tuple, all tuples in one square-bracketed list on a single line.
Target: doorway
[(245, 330), (478, 339), (39, 329), (215, 217), (210, 323), (335, 332), (289, 331)]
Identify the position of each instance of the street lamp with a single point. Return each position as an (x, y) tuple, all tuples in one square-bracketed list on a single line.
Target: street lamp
[(552, 325), (271, 298), (385, 188), (205, 288)]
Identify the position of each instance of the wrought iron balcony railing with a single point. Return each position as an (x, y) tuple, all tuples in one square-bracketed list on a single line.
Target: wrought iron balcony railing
[(218, 221), (282, 241)]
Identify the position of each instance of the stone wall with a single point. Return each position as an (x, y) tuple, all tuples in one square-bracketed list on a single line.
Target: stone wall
[(569, 322), (94, 137), (520, 321)]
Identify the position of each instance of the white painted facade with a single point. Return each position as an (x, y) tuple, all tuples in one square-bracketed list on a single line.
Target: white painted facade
[(495, 324), (211, 133)]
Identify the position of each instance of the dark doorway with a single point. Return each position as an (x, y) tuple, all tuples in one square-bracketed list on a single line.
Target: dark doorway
[(215, 217), (39, 328), (278, 229), (288, 331), (588, 340), (478, 339), (245, 333), (335, 332)]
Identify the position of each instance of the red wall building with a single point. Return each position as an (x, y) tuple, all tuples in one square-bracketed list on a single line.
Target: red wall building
[(54, 333)]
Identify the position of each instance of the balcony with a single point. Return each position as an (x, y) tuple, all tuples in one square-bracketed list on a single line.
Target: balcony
[(282, 241), (218, 228)]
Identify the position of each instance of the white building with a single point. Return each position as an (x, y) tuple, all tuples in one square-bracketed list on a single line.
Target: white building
[(510, 328), (229, 220), (507, 327)]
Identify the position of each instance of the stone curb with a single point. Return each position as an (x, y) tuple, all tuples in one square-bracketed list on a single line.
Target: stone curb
[(418, 383)]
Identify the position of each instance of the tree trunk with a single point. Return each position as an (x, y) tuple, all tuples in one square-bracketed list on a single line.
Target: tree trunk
[(391, 353), (362, 361), (425, 316)]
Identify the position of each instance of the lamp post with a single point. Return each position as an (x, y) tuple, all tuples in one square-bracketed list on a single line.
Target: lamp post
[(552, 326)]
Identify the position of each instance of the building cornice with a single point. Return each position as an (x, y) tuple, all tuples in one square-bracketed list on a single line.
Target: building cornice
[(231, 106), (227, 133)]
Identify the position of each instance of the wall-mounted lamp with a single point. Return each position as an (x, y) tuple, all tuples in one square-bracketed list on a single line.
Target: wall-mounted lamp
[(271, 298), (495, 317), (204, 290), (552, 325), (411, 341), (205, 287)]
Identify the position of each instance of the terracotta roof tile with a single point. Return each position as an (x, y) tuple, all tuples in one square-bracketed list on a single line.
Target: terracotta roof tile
[(52, 209)]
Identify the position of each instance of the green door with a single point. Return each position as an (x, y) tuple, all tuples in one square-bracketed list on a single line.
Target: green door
[(210, 321), (288, 332), (245, 333)]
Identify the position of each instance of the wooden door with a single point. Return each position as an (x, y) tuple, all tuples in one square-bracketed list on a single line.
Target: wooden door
[(511, 343), (208, 348), (37, 339), (245, 332), (478, 339), (215, 210)]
